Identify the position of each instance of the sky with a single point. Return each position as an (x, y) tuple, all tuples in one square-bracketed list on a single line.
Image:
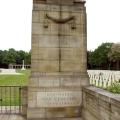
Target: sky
[(103, 23)]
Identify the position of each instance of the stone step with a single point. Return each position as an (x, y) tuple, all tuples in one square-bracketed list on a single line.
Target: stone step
[(58, 119), (19, 117)]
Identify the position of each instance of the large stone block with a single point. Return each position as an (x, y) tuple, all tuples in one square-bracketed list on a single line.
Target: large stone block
[(34, 66), (45, 41), (69, 31), (48, 66), (48, 53), (36, 113), (70, 42), (58, 80), (34, 57), (35, 16), (71, 54), (73, 66), (34, 82), (78, 17), (34, 50), (49, 81), (39, 29)]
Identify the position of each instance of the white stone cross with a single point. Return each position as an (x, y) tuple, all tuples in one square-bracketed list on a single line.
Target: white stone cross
[(23, 68)]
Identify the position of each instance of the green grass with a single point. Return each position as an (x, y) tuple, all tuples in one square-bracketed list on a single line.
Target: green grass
[(15, 80), (10, 96), (114, 87)]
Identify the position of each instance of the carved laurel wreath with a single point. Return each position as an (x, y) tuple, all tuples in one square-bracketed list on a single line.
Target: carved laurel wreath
[(60, 21)]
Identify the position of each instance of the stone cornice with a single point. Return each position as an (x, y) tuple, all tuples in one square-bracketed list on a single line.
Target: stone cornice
[(45, 1)]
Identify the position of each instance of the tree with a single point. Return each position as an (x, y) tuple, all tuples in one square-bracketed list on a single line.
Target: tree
[(89, 59), (114, 55), (12, 56), (9, 57), (20, 56), (28, 58), (98, 59), (1, 56)]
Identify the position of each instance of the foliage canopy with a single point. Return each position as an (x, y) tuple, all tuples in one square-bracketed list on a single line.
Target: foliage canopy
[(12, 56)]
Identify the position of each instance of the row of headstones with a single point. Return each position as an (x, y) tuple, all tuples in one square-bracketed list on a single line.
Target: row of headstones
[(103, 78)]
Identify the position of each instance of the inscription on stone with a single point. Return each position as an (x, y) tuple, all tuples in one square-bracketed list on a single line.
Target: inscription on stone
[(59, 99)]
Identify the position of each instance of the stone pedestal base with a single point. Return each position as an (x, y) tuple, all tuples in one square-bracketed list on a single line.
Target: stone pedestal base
[(68, 112), (56, 96)]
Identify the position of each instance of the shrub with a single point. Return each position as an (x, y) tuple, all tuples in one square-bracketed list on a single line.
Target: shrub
[(114, 87)]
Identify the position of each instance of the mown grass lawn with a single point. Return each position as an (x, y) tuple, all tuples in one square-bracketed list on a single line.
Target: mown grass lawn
[(15, 80), (10, 96)]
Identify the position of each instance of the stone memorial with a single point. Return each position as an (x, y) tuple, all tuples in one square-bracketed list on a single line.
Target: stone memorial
[(59, 59), (23, 65)]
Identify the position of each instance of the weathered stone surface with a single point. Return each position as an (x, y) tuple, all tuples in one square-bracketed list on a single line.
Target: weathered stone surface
[(58, 99), (62, 2), (71, 54), (70, 42), (58, 66), (35, 113), (41, 41), (35, 17), (48, 53), (98, 104), (56, 8), (57, 80), (68, 66), (48, 66)]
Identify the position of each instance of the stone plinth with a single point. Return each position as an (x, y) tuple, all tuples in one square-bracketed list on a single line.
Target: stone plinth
[(59, 62)]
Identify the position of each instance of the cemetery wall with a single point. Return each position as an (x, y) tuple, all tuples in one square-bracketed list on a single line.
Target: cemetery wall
[(99, 104)]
